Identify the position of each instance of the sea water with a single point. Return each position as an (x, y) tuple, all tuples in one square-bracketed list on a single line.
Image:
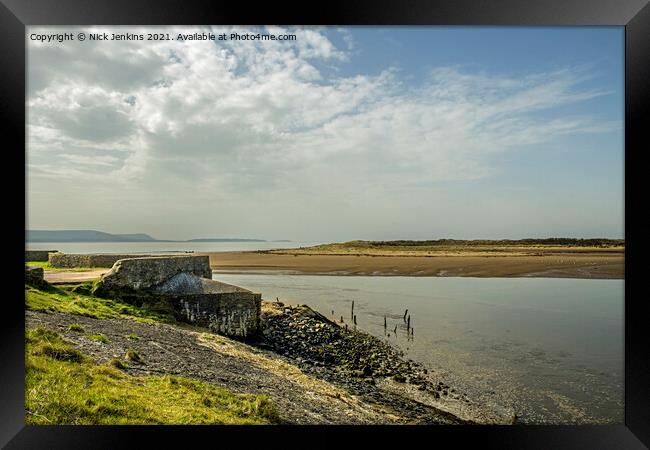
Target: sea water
[(550, 348)]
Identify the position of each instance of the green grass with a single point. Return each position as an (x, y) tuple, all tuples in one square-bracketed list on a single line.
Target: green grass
[(63, 300), (65, 387), (98, 338), (133, 336), (454, 244), (118, 363), (76, 327), (44, 264), (47, 266)]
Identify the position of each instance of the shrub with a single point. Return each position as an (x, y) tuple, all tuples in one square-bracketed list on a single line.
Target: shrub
[(98, 338), (132, 355), (118, 364), (75, 327)]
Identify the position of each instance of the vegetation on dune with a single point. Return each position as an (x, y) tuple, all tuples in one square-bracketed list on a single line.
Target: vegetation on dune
[(66, 300), (503, 245), (486, 242), (64, 386)]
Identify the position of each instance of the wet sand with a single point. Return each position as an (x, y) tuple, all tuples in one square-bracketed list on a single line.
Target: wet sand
[(597, 265)]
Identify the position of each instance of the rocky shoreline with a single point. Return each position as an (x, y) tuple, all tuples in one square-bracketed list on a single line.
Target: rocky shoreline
[(366, 366), (315, 370)]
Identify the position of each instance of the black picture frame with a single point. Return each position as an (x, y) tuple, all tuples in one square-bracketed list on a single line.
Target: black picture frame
[(634, 15)]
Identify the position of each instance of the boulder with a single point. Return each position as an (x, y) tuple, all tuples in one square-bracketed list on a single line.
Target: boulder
[(34, 275)]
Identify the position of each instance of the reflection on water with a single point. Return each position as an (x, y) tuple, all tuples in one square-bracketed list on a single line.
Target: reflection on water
[(550, 348)]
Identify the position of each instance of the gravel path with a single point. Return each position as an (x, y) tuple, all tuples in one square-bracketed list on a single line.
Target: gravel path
[(314, 371), (168, 349)]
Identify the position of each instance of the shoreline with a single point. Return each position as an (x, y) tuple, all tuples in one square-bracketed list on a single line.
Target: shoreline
[(580, 264), (596, 265), (313, 370)]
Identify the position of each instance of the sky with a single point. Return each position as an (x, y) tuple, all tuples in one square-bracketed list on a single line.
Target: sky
[(344, 133)]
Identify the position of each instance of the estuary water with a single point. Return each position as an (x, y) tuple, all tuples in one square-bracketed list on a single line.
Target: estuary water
[(161, 247), (552, 349)]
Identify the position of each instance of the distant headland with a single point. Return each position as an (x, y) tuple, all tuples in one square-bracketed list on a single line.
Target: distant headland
[(101, 236)]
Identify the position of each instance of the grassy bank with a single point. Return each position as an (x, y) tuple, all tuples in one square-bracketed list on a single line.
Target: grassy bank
[(63, 386), (73, 300)]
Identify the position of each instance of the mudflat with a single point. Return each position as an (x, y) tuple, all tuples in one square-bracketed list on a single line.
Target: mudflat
[(581, 263)]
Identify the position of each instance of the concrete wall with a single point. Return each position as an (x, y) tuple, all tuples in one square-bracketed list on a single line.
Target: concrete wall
[(183, 286), (134, 274), (38, 255), (235, 314), (65, 260)]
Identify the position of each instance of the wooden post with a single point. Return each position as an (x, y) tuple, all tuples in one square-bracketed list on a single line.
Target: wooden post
[(408, 323), (352, 312), (405, 313), (355, 319)]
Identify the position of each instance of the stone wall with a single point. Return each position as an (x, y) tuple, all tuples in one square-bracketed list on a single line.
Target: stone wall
[(66, 260), (38, 255)]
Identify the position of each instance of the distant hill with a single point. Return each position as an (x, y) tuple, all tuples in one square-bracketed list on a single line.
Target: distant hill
[(100, 236), (84, 236)]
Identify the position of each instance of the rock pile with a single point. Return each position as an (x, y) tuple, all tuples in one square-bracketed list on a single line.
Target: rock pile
[(314, 342)]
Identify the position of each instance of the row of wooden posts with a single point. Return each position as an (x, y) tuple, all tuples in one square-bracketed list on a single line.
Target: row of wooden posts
[(353, 317), (407, 320)]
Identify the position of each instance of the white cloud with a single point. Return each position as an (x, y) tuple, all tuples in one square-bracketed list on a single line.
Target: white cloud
[(224, 120)]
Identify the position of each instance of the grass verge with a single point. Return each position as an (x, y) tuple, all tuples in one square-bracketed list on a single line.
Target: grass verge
[(47, 266), (63, 300), (64, 386)]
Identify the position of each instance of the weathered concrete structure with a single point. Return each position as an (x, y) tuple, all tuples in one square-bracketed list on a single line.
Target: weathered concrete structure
[(34, 275), (224, 308), (68, 260), (135, 274), (38, 255), (182, 286)]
